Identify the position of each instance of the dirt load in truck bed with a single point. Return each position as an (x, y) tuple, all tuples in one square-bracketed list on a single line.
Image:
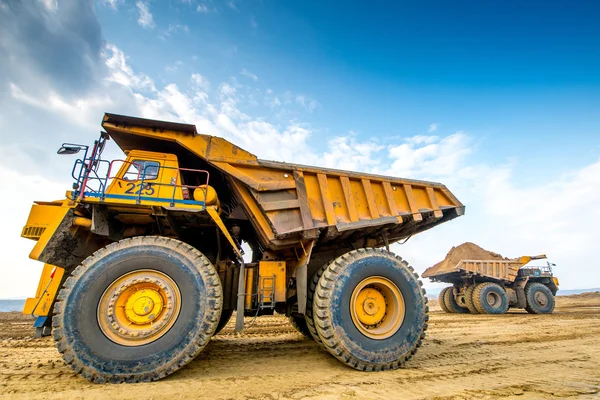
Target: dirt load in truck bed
[(466, 251)]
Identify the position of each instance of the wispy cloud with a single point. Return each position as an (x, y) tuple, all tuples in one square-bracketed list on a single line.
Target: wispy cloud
[(309, 104), (114, 4), (174, 67), (249, 74), (205, 8), (433, 128), (172, 30), (145, 19), (50, 5), (253, 22)]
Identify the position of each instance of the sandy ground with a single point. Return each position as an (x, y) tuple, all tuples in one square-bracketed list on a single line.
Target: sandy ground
[(464, 356)]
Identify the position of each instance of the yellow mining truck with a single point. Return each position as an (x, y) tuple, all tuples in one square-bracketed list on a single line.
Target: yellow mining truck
[(144, 259), (493, 286)]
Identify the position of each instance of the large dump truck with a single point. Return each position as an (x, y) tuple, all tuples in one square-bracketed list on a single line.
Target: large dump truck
[(493, 286), (144, 260)]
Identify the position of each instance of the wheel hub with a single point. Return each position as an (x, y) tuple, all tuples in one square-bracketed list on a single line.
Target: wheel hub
[(541, 299), (139, 307), (373, 306), (493, 300), (143, 306), (377, 307)]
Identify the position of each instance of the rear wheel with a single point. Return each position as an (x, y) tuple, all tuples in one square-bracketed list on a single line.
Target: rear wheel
[(370, 310), (441, 300), (225, 317), (451, 304), (469, 300), (490, 298), (299, 323), (137, 310), (539, 298)]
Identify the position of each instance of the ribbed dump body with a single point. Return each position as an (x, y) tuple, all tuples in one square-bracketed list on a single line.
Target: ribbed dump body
[(288, 203), (505, 270)]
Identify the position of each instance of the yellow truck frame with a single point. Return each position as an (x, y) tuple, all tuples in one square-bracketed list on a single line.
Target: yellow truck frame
[(150, 243)]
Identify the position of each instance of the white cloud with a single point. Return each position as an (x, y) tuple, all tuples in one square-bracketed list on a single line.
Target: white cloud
[(81, 111), (309, 104), (114, 4), (433, 128), (172, 30), (145, 19), (121, 72), (200, 82), (423, 156), (249, 74), (13, 214), (204, 8), (50, 5), (174, 67), (345, 152)]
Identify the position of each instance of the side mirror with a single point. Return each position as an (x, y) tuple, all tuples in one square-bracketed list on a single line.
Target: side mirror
[(67, 150)]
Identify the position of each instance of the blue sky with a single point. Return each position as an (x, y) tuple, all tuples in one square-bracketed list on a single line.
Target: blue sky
[(516, 73), (498, 100)]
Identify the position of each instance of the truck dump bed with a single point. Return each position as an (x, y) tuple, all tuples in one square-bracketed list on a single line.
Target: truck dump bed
[(288, 203), (505, 270)]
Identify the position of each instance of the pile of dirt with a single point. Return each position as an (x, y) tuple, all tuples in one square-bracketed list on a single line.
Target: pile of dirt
[(466, 251)]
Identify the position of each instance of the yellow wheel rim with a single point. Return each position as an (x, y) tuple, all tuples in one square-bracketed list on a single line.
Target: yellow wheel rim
[(377, 307), (139, 307)]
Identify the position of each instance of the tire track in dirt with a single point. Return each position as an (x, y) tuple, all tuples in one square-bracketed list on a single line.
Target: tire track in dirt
[(463, 357)]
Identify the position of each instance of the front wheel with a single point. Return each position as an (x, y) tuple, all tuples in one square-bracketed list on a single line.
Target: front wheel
[(370, 310), (137, 310), (539, 298)]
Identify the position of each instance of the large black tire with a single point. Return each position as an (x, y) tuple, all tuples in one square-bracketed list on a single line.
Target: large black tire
[(451, 304), (469, 300), (441, 300), (539, 298), (334, 322), (299, 323), (309, 316), (225, 317), (88, 350), (490, 298)]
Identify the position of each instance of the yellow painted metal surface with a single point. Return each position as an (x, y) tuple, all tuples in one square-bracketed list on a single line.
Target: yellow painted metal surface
[(250, 286), (283, 199), (377, 307), (272, 279), (46, 216), (48, 287), (139, 307), (126, 180), (217, 219)]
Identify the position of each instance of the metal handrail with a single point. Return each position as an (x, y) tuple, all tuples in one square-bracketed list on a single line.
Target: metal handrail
[(141, 176)]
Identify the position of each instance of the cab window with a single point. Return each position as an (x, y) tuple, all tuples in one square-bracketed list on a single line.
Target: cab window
[(138, 168)]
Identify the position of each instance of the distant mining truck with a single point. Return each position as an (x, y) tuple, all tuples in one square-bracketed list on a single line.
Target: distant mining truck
[(493, 286), (144, 260)]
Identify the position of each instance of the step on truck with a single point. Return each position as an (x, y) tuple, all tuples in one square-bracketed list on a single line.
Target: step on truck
[(494, 286), (144, 260)]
